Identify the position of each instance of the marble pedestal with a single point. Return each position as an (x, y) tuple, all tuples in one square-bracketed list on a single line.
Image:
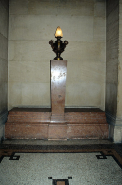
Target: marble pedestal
[(57, 122)]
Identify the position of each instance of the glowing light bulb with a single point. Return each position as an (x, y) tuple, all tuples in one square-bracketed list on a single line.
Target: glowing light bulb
[(58, 32)]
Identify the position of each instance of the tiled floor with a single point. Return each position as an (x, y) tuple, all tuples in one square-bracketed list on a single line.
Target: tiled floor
[(81, 162)]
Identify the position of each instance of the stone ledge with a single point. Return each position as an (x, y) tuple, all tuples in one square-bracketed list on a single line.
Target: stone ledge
[(38, 125)]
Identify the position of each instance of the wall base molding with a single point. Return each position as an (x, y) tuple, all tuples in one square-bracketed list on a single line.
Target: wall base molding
[(115, 128)]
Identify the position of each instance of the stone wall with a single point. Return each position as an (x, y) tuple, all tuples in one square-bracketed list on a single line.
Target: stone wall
[(32, 24), (4, 13)]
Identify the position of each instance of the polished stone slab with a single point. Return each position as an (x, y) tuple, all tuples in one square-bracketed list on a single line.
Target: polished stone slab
[(58, 70), (36, 123)]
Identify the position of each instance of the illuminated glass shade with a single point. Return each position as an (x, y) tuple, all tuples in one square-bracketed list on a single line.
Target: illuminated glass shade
[(58, 32)]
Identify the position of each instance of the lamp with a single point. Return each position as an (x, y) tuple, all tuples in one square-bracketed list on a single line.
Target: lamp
[(58, 46), (58, 32)]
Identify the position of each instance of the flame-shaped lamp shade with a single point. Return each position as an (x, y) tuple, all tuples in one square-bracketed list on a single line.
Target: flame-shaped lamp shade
[(58, 46), (58, 32)]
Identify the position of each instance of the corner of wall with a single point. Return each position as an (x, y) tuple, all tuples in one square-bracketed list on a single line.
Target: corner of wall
[(3, 119), (115, 128), (118, 132)]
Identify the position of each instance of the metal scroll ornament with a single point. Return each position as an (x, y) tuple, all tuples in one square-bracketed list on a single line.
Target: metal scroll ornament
[(58, 46)]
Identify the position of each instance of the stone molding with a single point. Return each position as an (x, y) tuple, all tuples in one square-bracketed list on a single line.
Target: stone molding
[(113, 120), (115, 128), (3, 117)]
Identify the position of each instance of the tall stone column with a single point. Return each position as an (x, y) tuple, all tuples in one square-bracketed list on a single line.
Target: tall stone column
[(114, 69), (58, 69)]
